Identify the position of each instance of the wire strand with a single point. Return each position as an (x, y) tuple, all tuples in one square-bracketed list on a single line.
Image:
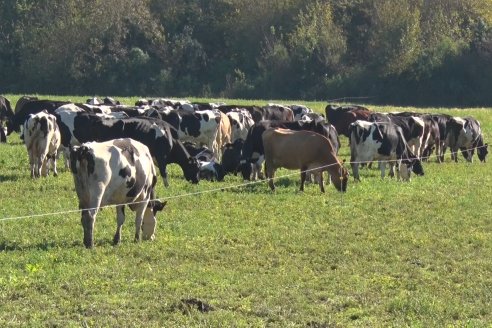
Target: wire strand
[(210, 190)]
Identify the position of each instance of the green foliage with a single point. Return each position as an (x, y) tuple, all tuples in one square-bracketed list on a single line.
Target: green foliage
[(385, 253), (248, 48)]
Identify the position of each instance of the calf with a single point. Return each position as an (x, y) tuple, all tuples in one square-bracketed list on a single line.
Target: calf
[(42, 139), (115, 172), (304, 150), (382, 141)]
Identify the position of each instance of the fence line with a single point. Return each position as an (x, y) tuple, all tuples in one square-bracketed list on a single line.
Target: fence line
[(343, 99), (210, 190)]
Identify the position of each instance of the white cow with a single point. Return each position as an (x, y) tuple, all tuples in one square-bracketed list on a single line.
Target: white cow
[(115, 172), (42, 139)]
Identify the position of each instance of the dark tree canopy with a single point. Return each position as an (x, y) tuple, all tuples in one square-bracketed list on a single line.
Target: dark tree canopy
[(420, 52)]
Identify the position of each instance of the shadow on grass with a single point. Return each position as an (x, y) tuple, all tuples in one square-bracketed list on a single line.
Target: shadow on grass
[(9, 177), (6, 246)]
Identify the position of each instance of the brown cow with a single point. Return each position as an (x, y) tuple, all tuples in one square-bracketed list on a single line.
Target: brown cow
[(342, 116), (304, 150), (224, 133)]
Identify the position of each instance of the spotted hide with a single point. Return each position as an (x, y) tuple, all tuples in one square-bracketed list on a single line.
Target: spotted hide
[(383, 141), (42, 139), (115, 172)]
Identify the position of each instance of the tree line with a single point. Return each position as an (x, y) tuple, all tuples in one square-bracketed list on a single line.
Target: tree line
[(417, 52)]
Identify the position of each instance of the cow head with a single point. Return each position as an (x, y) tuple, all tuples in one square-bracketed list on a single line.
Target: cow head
[(246, 169), (482, 152), (149, 219), (341, 181), (232, 156), (192, 170)]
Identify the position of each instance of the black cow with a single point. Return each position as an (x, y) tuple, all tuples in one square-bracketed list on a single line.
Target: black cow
[(31, 107), (82, 127)]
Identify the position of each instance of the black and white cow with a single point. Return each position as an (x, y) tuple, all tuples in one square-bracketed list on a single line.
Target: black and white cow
[(300, 111), (200, 127), (383, 141), (157, 135), (210, 169), (116, 172), (241, 122), (465, 134), (412, 127), (42, 139)]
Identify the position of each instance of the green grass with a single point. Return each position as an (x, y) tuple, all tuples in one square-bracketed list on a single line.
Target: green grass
[(385, 253)]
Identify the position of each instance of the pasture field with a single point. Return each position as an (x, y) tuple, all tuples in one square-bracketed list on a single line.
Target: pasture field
[(385, 253)]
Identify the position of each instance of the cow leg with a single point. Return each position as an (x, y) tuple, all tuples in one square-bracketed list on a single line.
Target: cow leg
[(320, 181), (163, 171), (303, 178), (454, 154), (392, 169), (382, 167), (355, 170), (39, 166), (53, 162), (270, 174), (32, 165), (139, 213), (45, 166), (87, 220), (120, 219)]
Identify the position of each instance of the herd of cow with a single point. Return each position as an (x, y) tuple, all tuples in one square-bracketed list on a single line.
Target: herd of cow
[(110, 148)]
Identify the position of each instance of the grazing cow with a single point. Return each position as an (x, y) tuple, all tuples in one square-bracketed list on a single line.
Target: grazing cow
[(42, 139), (210, 169), (441, 120), (382, 141), (465, 134), (252, 155), (342, 116), (413, 128), (115, 172), (157, 135), (304, 150)]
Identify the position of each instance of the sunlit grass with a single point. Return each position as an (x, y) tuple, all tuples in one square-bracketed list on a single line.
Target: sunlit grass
[(385, 253)]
